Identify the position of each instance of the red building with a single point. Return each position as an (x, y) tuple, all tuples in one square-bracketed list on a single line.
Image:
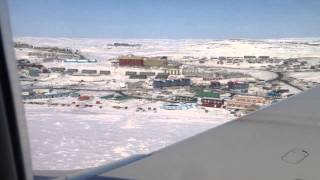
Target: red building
[(212, 102), (83, 98), (131, 60)]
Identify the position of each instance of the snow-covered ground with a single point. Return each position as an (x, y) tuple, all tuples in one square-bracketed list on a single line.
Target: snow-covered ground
[(101, 49), (72, 138)]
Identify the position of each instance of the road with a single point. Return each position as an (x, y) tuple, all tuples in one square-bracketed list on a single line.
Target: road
[(281, 79)]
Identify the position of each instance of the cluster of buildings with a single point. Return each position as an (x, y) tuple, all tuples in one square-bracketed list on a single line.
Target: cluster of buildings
[(48, 52), (52, 55), (80, 61), (31, 69), (46, 93), (239, 102), (248, 59), (200, 85), (82, 71), (139, 75), (210, 98)]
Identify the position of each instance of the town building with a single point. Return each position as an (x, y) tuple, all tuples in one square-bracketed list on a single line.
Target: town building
[(138, 76), (177, 106), (80, 61), (45, 70), (208, 94), (238, 86), (105, 72), (215, 85), (42, 91), (57, 69), (148, 73), (71, 71), (273, 94), (209, 98), (253, 99), (135, 85), (191, 71), (89, 71), (173, 70), (212, 102), (42, 54), (158, 84), (222, 58), (249, 57), (29, 65), (155, 62), (34, 72), (186, 99), (246, 102), (131, 60), (162, 76), (84, 98), (129, 73), (264, 57), (23, 61), (232, 104)]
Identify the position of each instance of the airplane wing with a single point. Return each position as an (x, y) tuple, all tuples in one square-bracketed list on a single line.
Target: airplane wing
[(277, 142)]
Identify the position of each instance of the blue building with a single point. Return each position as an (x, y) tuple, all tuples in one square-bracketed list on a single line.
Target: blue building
[(273, 94), (158, 84)]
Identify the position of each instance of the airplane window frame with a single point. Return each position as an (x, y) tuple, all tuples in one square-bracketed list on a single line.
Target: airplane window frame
[(14, 143)]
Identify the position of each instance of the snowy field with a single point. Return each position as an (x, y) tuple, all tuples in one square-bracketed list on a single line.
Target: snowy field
[(101, 49), (72, 138)]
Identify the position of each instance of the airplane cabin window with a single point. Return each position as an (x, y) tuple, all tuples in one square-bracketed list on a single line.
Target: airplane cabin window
[(102, 81)]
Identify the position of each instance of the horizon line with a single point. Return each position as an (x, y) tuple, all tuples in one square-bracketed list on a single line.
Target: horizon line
[(135, 38)]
